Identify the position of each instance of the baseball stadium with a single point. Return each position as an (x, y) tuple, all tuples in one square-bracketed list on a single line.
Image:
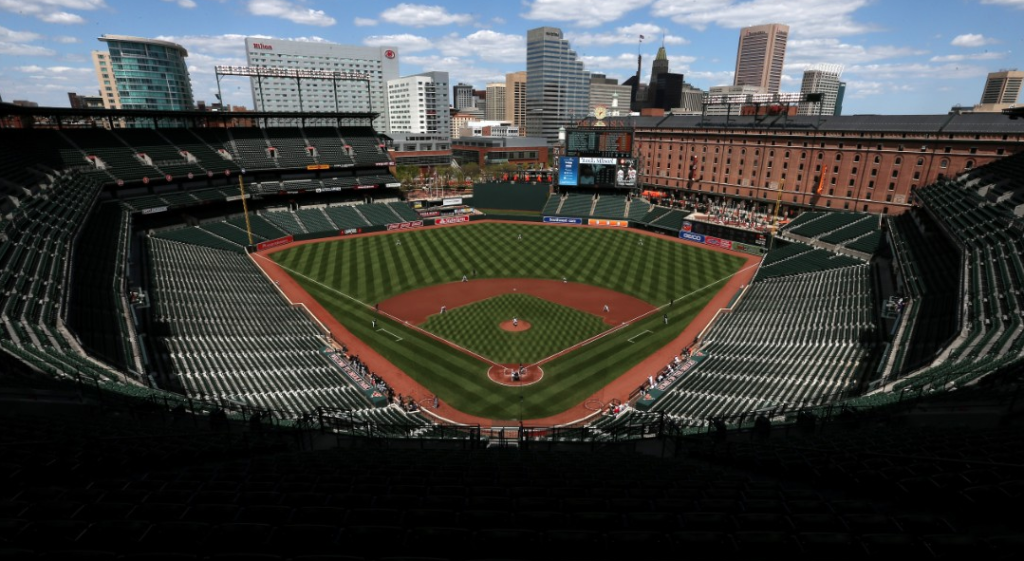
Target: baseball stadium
[(227, 338)]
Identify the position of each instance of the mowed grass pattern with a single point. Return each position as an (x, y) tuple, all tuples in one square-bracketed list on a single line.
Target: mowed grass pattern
[(477, 327), (347, 276)]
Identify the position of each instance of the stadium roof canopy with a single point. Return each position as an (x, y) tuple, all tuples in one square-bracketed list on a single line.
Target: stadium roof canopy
[(921, 124), (68, 117)]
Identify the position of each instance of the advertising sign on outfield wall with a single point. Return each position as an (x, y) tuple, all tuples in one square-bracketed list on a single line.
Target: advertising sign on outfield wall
[(452, 220), (351, 231), (719, 242), (154, 210), (451, 202), (699, 238), (405, 225), (604, 222), (274, 243), (562, 220)]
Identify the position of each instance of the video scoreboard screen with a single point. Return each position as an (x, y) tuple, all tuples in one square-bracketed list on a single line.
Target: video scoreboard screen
[(585, 171)]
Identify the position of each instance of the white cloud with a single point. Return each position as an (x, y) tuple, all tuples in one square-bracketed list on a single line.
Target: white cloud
[(628, 35), (420, 15), (51, 11), (66, 39), (803, 52), (290, 11), (405, 42), (62, 17), (971, 40), (188, 4), (591, 13), (489, 45), (364, 22), (1012, 3), (806, 18), (12, 36), (21, 49), (974, 56), (55, 70)]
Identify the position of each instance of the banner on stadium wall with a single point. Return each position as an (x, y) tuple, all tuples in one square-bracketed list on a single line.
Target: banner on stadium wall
[(274, 243), (699, 238), (154, 210), (687, 226), (452, 220), (451, 202), (405, 225), (230, 198), (350, 231), (562, 220), (375, 395), (718, 242), (366, 186), (603, 222), (429, 213)]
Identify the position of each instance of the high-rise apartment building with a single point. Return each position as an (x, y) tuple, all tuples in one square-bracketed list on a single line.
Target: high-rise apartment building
[(822, 79), (557, 86), (760, 56), (138, 73), (419, 103), (494, 110), (515, 100), (607, 93), (331, 78)]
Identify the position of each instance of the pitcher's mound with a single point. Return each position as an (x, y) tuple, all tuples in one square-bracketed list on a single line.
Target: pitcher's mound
[(504, 374), (523, 325)]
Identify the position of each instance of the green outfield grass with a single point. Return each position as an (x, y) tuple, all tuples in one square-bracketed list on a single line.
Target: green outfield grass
[(347, 276), (477, 327)]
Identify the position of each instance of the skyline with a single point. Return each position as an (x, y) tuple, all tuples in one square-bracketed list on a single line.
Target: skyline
[(938, 60)]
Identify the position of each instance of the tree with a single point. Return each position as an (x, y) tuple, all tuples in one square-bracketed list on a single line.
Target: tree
[(406, 175)]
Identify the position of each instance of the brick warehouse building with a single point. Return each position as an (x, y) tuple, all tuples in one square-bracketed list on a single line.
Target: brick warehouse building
[(868, 163)]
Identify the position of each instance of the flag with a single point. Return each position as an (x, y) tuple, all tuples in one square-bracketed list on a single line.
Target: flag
[(641, 37), (821, 183)]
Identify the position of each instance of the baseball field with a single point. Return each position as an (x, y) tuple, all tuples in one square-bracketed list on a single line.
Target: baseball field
[(589, 304)]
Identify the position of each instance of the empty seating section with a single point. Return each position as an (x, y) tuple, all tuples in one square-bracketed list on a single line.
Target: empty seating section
[(671, 220), (551, 207), (783, 250), (638, 209), (792, 341), (205, 145), (198, 236), (366, 146), (973, 212), (98, 310), (118, 157), (260, 226), (379, 214), (346, 217), (860, 228), (577, 204), (931, 276), (868, 243), (315, 220), (610, 206), (228, 334), (165, 157), (825, 223), (290, 147), (655, 213), (806, 262), (231, 233), (404, 211), (34, 261), (329, 145), (251, 148), (284, 220)]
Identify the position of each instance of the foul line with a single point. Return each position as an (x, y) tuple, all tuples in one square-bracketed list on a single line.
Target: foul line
[(644, 332), (385, 314)]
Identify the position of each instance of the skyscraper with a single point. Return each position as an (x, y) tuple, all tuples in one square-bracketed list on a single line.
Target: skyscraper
[(138, 73), (760, 55), (462, 96), (494, 110), (557, 86), (1002, 87), (319, 92), (515, 100), (419, 103), (820, 79)]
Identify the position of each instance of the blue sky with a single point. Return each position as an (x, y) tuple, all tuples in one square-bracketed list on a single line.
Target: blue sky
[(900, 56)]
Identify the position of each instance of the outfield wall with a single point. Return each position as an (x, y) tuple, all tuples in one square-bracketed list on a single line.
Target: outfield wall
[(511, 196)]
